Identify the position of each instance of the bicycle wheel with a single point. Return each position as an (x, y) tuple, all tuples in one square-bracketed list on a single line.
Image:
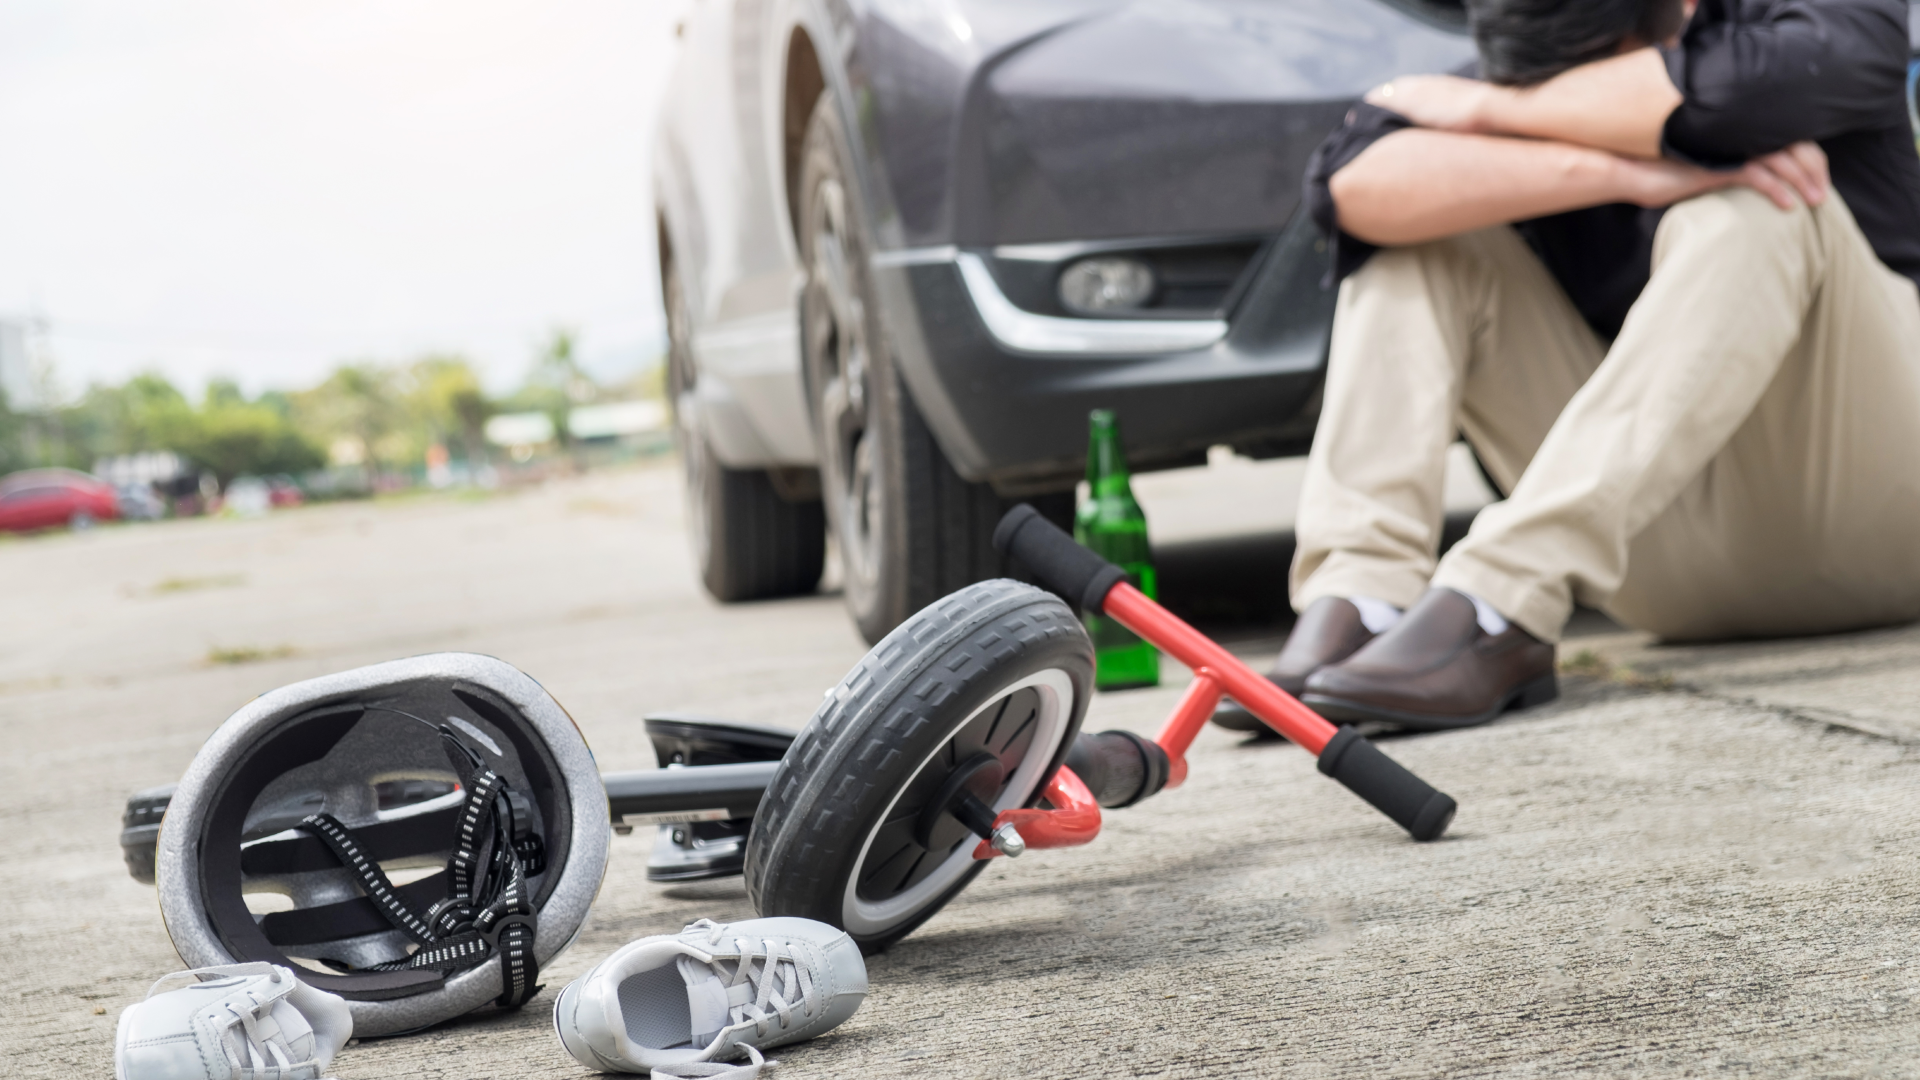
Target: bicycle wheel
[(984, 689)]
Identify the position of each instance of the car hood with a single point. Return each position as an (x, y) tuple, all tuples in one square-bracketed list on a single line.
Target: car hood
[(1083, 120)]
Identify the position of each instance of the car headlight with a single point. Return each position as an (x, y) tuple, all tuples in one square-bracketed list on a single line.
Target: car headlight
[(1105, 284)]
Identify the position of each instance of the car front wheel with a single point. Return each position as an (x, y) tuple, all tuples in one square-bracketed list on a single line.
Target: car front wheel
[(910, 529)]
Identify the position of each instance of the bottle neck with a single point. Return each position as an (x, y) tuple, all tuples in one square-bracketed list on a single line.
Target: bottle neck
[(1111, 485), (1106, 465)]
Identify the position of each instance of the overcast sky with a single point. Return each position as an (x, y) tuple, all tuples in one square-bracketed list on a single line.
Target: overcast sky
[(261, 188)]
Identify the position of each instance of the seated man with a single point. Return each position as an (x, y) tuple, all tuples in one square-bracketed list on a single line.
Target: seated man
[(1618, 267)]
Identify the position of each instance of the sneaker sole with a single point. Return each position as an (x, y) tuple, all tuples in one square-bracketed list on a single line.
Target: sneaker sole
[(1343, 710)]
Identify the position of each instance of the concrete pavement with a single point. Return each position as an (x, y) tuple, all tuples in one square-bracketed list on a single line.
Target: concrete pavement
[(1698, 862)]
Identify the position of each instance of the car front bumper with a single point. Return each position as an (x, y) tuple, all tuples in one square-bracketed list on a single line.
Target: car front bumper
[(1007, 393)]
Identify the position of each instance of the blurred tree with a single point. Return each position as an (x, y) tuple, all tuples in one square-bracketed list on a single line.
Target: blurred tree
[(357, 404), (555, 384), (238, 438), (385, 417), (227, 435), (145, 413), (278, 401), (448, 399), (13, 453), (223, 393)]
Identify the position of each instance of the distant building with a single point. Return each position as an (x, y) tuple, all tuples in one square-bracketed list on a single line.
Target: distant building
[(149, 467), (617, 420), (520, 430)]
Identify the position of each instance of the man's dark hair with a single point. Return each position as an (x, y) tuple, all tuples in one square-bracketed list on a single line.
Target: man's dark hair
[(1523, 42)]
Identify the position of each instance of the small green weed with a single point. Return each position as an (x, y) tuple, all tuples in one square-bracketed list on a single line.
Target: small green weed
[(195, 584), (245, 654), (1593, 665)]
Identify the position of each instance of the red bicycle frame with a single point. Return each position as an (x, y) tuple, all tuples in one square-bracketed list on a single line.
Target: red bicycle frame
[(1074, 817)]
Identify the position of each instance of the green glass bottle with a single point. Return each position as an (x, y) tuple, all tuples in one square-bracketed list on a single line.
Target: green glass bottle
[(1112, 524)]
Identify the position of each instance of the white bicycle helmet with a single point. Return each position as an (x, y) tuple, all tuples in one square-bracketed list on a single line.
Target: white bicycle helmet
[(418, 837)]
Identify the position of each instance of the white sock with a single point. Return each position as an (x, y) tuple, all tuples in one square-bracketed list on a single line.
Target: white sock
[(1376, 615), (1490, 620)]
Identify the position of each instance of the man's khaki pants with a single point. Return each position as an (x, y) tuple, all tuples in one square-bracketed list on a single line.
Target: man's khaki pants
[(1744, 460)]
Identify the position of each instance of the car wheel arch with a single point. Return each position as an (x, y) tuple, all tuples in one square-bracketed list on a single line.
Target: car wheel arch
[(803, 82)]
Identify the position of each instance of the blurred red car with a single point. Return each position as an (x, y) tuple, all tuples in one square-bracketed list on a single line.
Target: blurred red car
[(283, 492), (48, 498)]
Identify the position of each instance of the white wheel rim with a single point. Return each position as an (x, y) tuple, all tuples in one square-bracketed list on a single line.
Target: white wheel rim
[(1055, 691)]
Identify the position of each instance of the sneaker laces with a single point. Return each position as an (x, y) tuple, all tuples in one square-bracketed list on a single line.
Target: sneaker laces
[(710, 1070), (779, 986), (247, 1032)]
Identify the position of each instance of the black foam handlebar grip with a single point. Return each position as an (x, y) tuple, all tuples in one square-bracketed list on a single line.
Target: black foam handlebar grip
[(1411, 802), (1059, 563)]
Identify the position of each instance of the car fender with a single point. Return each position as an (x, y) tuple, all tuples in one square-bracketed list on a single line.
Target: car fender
[(938, 56), (932, 198), (717, 220)]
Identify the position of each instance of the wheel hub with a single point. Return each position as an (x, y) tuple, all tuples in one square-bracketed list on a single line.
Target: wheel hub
[(921, 831), (963, 798)]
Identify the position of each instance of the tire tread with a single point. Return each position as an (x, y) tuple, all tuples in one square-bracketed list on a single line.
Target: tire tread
[(762, 545), (880, 721)]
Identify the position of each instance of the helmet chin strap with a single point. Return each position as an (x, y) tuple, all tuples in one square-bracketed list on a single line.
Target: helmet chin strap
[(489, 907)]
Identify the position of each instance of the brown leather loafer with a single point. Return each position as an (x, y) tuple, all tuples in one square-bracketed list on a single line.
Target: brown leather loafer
[(1328, 632), (1436, 669)]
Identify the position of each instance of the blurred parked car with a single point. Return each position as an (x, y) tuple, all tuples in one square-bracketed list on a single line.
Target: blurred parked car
[(137, 502), (50, 498), (247, 496), (282, 492), (905, 247)]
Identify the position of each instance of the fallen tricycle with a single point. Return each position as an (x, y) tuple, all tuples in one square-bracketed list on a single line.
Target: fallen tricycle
[(956, 740), (953, 741)]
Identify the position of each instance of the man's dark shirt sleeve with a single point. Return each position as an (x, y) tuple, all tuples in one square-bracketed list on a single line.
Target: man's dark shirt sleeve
[(1365, 125), (1758, 75)]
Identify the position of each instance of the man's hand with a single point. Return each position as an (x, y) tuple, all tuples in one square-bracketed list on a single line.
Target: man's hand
[(1800, 169), (1662, 183), (1796, 174), (1436, 102)]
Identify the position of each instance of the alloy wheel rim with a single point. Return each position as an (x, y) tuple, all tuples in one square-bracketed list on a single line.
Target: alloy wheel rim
[(837, 343)]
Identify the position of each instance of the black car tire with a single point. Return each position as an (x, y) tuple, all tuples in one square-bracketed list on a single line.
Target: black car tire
[(910, 529), (862, 771), (750, 542)]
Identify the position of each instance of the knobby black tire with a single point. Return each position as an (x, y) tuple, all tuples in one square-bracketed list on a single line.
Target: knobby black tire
[(881, 723)]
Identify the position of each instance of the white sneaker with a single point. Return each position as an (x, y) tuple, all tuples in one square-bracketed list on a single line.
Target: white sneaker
[(239, 1022), (709, 993)]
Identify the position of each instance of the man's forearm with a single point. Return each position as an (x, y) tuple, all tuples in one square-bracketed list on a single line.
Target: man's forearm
[(1620, 104), (1417, 185)]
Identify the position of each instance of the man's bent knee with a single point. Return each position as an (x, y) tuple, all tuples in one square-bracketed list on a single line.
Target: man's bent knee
[(1736, 221), (1463, 265)]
